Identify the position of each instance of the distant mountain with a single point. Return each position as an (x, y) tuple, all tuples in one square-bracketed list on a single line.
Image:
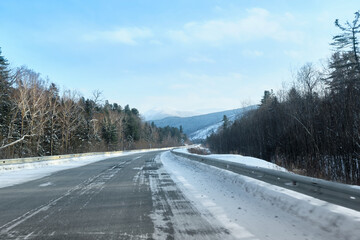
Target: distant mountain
[(157, 114), (199, 127)]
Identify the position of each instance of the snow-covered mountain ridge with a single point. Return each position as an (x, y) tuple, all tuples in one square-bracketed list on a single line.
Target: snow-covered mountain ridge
[(157, 114), (200, 126)]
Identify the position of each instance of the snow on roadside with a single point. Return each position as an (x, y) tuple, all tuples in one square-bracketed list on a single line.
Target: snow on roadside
[(13, 174), (264, 210), (250, 161)]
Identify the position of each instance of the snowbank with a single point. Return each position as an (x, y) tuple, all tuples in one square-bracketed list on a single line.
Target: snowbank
[(241, 201), (249, 161)]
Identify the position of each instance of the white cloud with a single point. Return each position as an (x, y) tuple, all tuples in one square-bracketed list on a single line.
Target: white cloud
[(218, 9), (200, 59), (293, 54), (258, 11), (252, 53), (258, 24), (178, 35), (180, 86), (289, 16), (129, 36), (212, 85), (156, 42)]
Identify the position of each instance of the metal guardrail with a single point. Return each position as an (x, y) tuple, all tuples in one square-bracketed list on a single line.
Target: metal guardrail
[(337, 193), (4, 162), (48, 158)]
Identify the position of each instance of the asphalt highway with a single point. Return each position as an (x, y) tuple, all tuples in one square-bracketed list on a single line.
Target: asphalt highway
[(117, 198)]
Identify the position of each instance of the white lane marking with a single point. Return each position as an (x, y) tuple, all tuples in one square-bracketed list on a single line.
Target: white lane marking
[(138, 157), (46, 184)]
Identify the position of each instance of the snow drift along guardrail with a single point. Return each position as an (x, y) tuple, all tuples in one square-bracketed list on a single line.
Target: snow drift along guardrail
[(49, 158), (337, 193)]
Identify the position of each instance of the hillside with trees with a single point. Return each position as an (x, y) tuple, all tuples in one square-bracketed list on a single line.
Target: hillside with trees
[(313, 126), (36, 119)]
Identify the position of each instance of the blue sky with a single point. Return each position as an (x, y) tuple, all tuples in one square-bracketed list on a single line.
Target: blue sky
[(183, 55)]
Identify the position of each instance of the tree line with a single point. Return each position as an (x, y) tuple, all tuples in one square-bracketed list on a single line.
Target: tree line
[(313, 126), (36, 119)]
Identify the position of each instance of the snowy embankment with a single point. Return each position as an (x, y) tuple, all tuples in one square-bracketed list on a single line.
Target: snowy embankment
[(12, 174), (249, 161), (244, 203)]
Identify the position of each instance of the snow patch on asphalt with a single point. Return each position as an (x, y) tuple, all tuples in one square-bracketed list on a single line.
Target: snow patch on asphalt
[(175, 217), (260, 208), (45, 184)]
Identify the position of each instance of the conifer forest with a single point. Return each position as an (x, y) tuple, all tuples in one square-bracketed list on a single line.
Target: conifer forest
[(313, 125), (36, 119)]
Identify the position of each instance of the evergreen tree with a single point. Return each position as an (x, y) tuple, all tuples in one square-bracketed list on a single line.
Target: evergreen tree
[(132, 128), (348, 41), (345, 64), (268, 96), (5, 102), (135, 112), (225, 122), (127, 109), (109, 132)]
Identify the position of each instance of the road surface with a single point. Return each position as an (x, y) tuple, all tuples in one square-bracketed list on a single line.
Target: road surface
[(127, 197), (105, 200)]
